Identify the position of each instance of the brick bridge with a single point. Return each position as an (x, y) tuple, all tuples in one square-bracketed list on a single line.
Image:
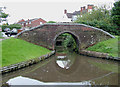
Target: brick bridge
[(45, 35)]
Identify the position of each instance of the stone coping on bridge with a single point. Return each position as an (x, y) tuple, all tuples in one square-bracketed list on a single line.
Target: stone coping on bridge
[(98, 55), (66, 24), (20, 65)]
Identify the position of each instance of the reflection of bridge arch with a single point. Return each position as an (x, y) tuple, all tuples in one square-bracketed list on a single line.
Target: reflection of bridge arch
[(72, 68)]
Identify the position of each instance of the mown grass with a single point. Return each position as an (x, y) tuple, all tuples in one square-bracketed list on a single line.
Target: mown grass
[(109, 46), (1, 35), (17, 50)]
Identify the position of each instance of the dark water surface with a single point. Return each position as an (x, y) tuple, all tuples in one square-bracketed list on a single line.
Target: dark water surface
[(74, 68)]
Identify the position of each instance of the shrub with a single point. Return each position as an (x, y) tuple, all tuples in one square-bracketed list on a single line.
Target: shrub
[(100, 18)]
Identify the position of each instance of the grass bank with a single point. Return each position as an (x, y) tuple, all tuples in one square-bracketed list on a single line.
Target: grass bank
[(109, 46), (16, 50), (1, 35)]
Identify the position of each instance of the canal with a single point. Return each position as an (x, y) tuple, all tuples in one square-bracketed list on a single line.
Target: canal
[(66, 68)]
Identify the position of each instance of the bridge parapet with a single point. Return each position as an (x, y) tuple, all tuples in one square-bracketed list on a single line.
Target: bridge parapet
[(45, 35)]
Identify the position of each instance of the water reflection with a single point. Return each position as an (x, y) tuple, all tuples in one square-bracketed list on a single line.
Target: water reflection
[(72, 68), (63, 61), (28, 81)]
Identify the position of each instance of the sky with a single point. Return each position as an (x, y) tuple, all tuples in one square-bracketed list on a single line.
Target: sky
[(49, 10)]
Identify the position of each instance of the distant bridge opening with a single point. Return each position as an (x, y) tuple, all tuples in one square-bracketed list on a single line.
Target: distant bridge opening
[(66, 41)]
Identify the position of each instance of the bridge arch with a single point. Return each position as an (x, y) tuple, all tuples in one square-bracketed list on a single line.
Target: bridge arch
[(45, 35), (76, 38)]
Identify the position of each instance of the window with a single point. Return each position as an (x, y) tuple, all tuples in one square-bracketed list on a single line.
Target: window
[(29, 22), (41, 23)]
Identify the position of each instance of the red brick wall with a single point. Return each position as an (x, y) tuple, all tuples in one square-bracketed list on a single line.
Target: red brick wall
[(34, 23), (37, 22)]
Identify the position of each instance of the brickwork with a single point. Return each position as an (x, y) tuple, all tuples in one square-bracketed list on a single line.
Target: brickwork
[(45, 35)]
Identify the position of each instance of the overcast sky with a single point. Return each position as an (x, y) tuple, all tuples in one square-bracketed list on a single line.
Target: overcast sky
[(49, 10)]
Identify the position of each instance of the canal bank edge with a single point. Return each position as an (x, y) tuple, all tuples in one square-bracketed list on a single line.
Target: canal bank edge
[(17, 66), (98, 55)]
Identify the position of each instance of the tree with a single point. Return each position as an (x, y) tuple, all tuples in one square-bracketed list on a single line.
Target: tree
[(17, 26), (98, 14), (3, 15), (100, 18), (116, 13), (11, 26)]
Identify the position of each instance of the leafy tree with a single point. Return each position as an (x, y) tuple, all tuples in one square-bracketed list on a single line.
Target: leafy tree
[(17, 26), (116, 13), (100, 18), (69, 42), (11, 26), (2, 14)]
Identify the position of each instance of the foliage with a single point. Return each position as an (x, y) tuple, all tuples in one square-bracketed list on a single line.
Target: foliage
[(98, 14), (3, 15), (116, 13), (99, 18), (17, 26), (69, 42), (51, 22), (1, 35), (11, 26), (16, 50), (110, 46)]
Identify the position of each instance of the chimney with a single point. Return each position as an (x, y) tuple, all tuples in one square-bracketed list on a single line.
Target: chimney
[(90, 6), (84, 8), (65, 11), (28, 20), (81, 9)]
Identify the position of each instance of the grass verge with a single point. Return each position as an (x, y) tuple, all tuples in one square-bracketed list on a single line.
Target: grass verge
[(17, 50), (109, 46), (1, 35)]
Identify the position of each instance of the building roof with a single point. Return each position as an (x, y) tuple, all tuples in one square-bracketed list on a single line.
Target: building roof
[(82, 11), (30, 20), (76, 13), (69, 15), (22, 20)]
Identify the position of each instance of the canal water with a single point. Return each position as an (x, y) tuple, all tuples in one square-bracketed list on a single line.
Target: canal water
[(66, 68)]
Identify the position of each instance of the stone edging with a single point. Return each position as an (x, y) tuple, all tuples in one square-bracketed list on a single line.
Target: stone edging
[(24, 64), (98, 55)]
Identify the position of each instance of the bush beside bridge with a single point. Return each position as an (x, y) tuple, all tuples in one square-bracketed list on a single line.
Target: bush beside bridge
[(101, 18)]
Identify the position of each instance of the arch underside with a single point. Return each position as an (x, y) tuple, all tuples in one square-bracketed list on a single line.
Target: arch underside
[(76, 38)]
